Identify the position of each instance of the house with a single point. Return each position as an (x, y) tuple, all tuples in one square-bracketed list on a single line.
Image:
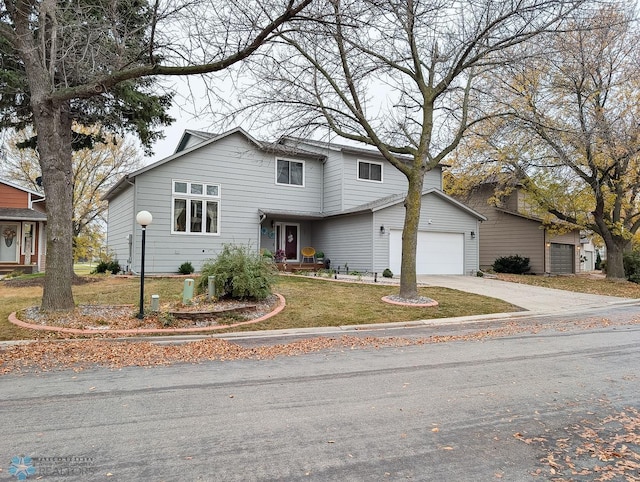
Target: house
[(510, 229), (231, 188), (22, 229)]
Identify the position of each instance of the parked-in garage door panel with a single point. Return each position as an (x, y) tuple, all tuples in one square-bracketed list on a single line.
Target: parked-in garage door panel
[(561, 258), (437, 253)]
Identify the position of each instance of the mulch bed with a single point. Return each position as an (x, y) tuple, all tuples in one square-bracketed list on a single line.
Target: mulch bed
[(199, 313)]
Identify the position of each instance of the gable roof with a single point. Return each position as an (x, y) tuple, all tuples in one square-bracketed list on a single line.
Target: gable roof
[(373, 206), (395, 199), (212, 138)]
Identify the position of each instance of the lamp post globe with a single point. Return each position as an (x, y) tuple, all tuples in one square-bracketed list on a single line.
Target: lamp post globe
[(143, 218)]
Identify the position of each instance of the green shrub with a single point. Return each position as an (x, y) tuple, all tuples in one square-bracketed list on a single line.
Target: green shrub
[(186, 268), (239, 274), (515, 264), (103, 266), (631, 263), (387, 273), (598, 264)]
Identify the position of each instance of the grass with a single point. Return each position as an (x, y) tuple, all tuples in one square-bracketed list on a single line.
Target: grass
[(580, 284), (310, 301)]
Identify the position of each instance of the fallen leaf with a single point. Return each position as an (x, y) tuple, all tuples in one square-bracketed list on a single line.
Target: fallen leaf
[(435, 429)]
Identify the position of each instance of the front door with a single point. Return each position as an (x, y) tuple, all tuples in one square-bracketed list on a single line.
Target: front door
[(287, 238), (9, 237)]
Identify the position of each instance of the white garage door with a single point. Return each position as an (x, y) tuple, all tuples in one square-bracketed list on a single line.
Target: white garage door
[(437, 253)]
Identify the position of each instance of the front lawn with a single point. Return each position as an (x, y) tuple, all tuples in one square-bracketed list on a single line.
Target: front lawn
[(311, 302)]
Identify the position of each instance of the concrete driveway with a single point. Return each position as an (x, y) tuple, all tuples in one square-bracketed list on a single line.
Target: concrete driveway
[(532, 298)]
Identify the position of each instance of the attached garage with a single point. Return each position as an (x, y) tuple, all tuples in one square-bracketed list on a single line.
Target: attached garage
[(437, 253), (561, 257)]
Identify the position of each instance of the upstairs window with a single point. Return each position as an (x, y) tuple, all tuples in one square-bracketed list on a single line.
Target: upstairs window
[(195, 208), (290, 172), (369, 171)]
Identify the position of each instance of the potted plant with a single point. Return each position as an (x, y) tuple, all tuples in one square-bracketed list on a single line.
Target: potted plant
[(320, 257)]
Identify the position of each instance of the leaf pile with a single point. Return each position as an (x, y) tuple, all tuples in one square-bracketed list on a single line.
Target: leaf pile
[(594, 450)]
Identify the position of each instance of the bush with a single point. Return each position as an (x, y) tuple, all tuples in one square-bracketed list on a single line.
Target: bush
[(598, 264), (387, 273), (186, 268), (631, 263), (511, 264), (239, 274), (103, 266)]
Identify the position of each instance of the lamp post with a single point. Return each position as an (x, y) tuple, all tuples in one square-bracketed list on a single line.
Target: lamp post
[(143, 218)]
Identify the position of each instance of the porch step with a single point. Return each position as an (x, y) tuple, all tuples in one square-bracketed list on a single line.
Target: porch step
[(292, 267), (6, 268)]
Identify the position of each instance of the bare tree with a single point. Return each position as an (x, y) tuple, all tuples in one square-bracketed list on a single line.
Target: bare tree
[(66, 61), (398, 75), (577, 111)]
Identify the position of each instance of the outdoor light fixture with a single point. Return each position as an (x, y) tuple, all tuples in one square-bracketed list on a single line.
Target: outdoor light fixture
[(382, 230), (143, 218), (473, 235)]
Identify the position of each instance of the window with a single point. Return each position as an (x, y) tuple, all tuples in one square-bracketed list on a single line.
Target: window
[(369, 171), (290, 172), (196, 208)]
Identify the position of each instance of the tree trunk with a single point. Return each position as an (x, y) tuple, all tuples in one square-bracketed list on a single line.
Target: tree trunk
[(53, 126), (616, 248), (412, 204)]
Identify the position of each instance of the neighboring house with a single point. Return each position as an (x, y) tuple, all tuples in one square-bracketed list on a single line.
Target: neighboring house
[(509, 230), (232, 188), (589, 252), (22, 229)]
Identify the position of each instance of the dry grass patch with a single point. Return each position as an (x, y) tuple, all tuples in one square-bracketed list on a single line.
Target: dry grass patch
[(580, 284)]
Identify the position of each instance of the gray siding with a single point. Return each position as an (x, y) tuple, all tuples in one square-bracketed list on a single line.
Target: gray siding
[(247, 183), (342, 188), (346, 240), (120, 220), (358, 192), (436, 215)]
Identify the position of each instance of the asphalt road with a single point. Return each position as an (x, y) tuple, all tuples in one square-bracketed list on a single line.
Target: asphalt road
[(461, 411)]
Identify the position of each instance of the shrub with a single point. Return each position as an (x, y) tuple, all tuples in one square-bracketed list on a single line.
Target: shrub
[(631, 263), (387, 273), (103, 266), (598, 264), (239, 274), (515, 264), (186, 268)]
